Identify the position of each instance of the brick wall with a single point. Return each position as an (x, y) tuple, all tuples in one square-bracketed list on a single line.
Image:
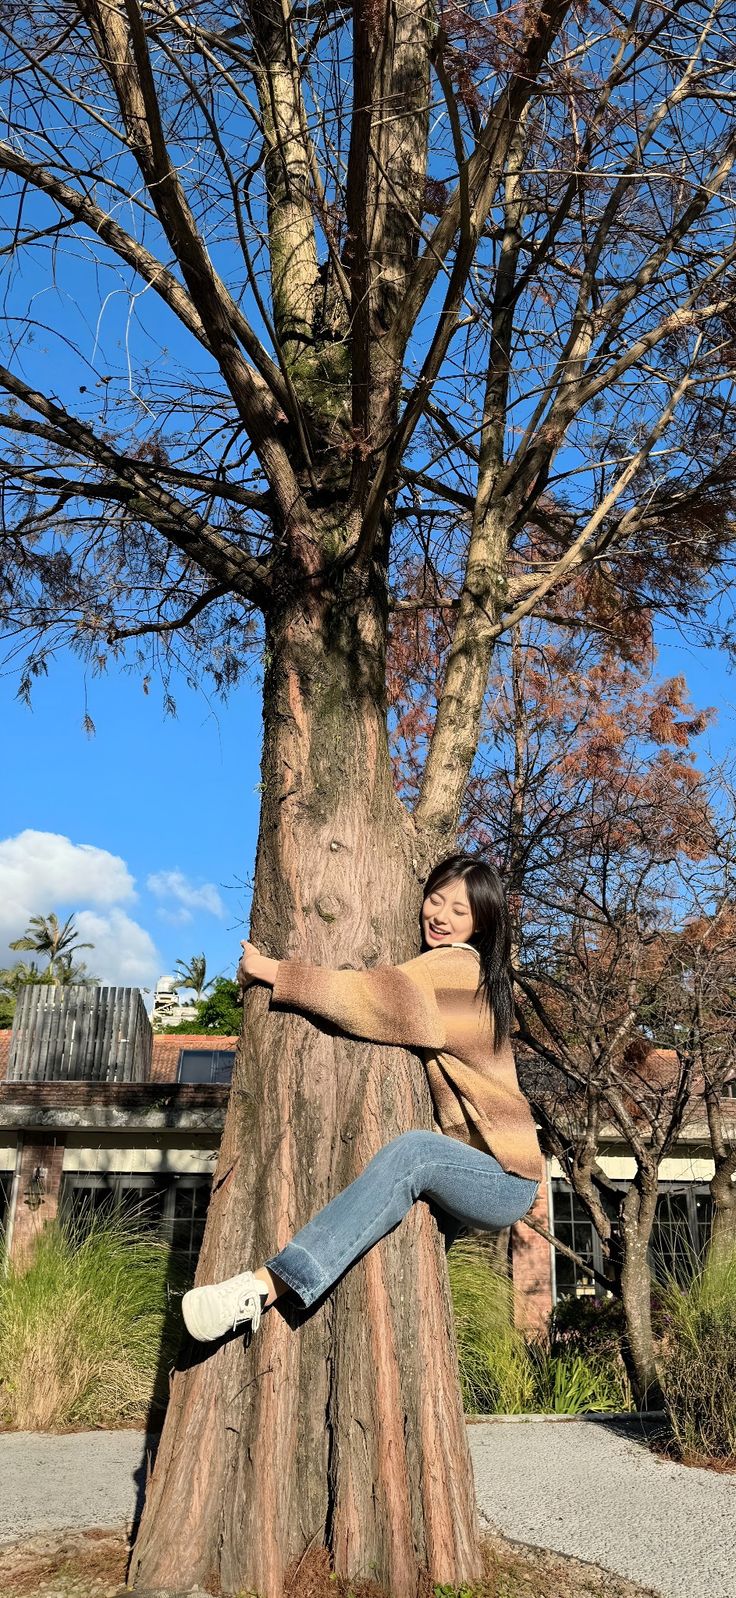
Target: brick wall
[(30, 1218), (5, 1037), (166, 1051), (119, 1095), (530, 1259)]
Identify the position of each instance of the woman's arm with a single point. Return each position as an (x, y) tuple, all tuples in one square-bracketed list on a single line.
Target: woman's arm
[(389, 1004)]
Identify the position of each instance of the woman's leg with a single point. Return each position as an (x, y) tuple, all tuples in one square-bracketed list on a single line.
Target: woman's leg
[(463, 1182)]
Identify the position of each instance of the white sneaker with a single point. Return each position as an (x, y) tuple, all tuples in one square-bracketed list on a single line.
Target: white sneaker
[(209, 1312)]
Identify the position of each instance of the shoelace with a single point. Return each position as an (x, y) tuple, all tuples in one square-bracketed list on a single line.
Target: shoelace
[(248, 1308)]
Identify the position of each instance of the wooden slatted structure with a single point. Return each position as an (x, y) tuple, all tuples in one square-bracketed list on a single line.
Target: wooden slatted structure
[(80, 1034)]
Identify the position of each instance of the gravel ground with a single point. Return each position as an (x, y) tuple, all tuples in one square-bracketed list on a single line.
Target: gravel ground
[(594, 1489), (76, 1480), (586, 1488)]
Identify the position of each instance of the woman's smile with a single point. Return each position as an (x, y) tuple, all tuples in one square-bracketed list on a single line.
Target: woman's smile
[(446, 914)]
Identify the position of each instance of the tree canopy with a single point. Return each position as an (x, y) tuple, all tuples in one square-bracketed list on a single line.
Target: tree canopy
[(469, 315)]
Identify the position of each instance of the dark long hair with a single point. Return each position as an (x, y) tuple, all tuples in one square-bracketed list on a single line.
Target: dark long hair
[(491, 931)]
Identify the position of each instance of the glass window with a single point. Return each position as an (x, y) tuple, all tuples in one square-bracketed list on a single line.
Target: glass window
[(6, 1188), (573, 1227), (729, 1088), (141, 1198), (680, 1234), (206, 1065), (172, 1207), (672, 1245), (190, 1213), (703, 1218)]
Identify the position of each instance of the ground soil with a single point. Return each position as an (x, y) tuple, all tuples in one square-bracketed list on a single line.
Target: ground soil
[(93, 1565)]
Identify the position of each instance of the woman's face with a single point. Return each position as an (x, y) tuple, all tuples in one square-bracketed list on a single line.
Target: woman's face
[(446, 915)]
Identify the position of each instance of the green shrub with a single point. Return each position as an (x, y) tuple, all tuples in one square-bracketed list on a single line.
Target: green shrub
[(698, 1358), (588, 1325), (502, 1374), (86, 1336), (577, 1383)]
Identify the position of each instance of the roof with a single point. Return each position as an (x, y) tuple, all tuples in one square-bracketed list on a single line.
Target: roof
[(166, 1051)]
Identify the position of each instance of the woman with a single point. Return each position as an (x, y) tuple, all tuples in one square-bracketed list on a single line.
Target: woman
[(453, 1004)]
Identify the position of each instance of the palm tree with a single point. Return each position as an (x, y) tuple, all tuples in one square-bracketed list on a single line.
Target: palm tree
[(15, 977), (74, 974), (194, 975), (44, 935)]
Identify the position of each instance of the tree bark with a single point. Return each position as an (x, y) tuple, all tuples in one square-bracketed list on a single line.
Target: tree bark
[(639, 1210), (723, 1190), (341, 1426)]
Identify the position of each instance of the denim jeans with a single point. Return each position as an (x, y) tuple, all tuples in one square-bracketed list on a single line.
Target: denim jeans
[(464, 1186)]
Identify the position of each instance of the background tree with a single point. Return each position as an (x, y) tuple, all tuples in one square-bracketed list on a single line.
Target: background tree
[(444, 304), (702, 1008), (220, 1012), (46, 935), (194, 975), (587, 791), (601, 816)]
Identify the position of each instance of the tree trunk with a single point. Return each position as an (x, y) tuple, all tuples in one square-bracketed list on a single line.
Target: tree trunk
[(723, 1189), (636, 1292), (341, 1426)]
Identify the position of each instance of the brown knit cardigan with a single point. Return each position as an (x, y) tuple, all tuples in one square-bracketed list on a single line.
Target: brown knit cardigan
[(431, 1004)]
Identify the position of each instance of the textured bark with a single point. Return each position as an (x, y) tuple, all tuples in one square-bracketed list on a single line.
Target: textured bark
[(638, 1219), (329, 1430), (723, 1190)]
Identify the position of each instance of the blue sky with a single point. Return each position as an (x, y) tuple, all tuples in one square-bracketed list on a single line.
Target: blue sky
[(147, 831), (176, 801)]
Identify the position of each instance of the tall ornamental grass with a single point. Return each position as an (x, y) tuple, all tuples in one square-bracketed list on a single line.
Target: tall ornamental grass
[(698, 1358), (495, 1374), (86, 1335), (503, 1374)]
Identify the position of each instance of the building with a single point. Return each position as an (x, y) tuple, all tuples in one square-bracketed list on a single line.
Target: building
[(94, 1107)]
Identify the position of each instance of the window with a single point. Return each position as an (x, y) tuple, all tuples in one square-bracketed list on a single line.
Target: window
[(206, 1065), (728, 1090), (680, 1233), (681, 1230), (189, 1216), (172, 1207), (574, 1228), (6, 1188)]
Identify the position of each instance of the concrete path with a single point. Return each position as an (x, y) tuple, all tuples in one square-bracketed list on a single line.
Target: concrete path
[(589, 1488)]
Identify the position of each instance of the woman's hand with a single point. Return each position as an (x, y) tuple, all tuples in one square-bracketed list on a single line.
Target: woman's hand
[(255, 967)]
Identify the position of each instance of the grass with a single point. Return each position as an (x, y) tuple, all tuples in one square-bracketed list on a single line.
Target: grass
[(698, 1359), (503, 1374), (84, 1338)]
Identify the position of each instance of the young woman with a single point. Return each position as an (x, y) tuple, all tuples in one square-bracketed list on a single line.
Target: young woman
[(453, 1004)]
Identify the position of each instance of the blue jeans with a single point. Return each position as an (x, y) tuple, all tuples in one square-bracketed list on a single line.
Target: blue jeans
[(465, 1187)]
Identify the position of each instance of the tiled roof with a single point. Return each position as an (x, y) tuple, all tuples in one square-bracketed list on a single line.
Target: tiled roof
[(5, 1037), (166, 1051)]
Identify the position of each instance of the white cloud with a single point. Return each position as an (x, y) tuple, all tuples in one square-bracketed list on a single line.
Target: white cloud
[(175, 918), (124, 954), (44, 871), (39, 870), (187, 898)]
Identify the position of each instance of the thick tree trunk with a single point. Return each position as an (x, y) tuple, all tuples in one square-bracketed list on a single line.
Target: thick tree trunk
[(340, 1427), (636, 1292)]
